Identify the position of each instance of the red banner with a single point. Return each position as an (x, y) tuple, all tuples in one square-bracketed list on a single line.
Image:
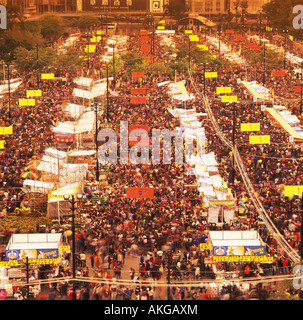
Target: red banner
[(298, 89), (145, 47), (137, 74), (145, 141), (140, 193), (229, 31), (144, 38), (239, 37), (138, 100), (278, 73), (143, 32), (138, 91)]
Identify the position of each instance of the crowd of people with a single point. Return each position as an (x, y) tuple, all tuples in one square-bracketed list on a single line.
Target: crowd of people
[(165, 231)]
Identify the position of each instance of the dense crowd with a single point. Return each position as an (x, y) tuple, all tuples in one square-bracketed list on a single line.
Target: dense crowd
[(165, 231)]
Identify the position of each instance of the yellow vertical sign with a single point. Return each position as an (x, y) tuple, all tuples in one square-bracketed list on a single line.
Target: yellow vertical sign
[(1, 144)]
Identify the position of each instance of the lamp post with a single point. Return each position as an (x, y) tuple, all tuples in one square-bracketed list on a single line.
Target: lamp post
[(234, 140), (107, 96), (285, 41), (301, 88), (264, 53), (96, 109), (9, 93), (301, 229), (204, 78), (73, 201), (219, 33)]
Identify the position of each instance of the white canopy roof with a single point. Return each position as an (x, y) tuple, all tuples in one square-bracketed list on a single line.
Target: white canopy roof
[(34, 241)]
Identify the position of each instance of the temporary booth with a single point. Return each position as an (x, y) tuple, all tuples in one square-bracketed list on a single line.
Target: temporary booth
[(34, 246), (239, 244)]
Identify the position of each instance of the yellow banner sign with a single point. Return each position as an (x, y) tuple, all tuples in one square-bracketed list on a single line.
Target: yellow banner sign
[(33, 93), (263, 259), (14, 263), (1, 144), (100, 32), (223, 89), (250, 126), (160, 27), (90, 48), (204, 246), (6, 130), (229, 99), (193, 38), (259, 139), (289, 191), (161, 22), (27, 102), (188, 31), (203, 47), (96, 39), (47, 76), (211, 74)]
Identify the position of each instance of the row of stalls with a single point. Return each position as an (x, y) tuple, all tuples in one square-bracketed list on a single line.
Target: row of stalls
[(43, 252)]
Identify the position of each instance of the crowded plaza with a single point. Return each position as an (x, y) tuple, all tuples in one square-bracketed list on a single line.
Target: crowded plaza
[(95, 206)]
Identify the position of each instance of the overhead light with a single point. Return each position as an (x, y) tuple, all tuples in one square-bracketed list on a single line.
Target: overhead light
[(79, 196), (66, 197)]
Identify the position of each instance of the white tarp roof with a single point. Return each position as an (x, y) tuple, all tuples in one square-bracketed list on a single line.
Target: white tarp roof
[(38, 186), (79, 153), (13, 84), (235, 238), (82, 81), (74, 110), (34, 241), (48, 167), (55, 153)]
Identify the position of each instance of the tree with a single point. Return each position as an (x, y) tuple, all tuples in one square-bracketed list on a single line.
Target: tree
[(87, 21), (51, 26), (26, 60)]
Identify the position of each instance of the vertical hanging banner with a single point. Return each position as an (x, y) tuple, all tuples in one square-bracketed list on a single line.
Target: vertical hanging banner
[(1, 144), (138, 128)]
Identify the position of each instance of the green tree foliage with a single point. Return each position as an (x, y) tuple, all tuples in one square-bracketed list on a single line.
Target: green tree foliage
[(51, 26), (26, 60), (86, 21), (279, 12), (134, 62)]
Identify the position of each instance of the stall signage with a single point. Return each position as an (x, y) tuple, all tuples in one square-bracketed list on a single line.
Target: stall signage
[(32, 254), (239, 251)]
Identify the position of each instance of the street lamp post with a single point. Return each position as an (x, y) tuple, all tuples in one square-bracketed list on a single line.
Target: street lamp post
[(301, 88), (285, 38), (9, 93), (264, 53), (107, 96), (301, 229), (234, 141), (96, 108), (73, 202)]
